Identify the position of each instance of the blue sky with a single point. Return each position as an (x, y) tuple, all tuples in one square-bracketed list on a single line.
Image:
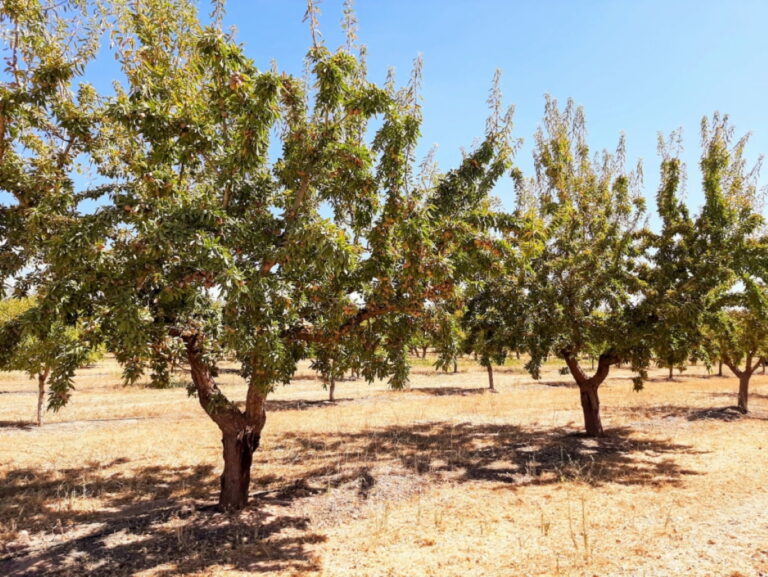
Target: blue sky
[(636, 67)]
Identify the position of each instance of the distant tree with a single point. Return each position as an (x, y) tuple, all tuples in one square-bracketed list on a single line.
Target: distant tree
[(52, 352), (495, 323), (732, 253), (741, 335), (673, 293), (583, 288), (335, 359)]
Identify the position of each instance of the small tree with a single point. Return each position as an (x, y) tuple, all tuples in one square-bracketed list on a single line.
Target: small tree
[(52, 352), (583, 288), (741, 335), (494, 323)]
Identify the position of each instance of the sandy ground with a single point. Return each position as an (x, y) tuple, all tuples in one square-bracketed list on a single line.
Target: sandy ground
[(445, 479)]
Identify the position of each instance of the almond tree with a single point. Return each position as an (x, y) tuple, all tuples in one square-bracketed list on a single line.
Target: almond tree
[(45, 128), (583, 287), (731, 251), (674, 294), (47, 352), (204, 239)]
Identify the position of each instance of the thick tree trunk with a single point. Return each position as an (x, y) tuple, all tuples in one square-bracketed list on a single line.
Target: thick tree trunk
[(744, 392), (236, 478), (590, 406), (41, 379), (588, 386), (489, 367), (241, 430)]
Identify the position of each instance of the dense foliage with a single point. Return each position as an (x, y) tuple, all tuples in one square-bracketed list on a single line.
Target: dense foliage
[(239, 210)]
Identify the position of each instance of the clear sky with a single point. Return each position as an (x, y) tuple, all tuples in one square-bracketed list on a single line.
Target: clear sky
[(638, 67)]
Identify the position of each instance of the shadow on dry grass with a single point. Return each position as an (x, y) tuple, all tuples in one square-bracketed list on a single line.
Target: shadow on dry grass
[(729, 413), (302, 405), (161, 519), (752, 396), (25, 425), (146, 519), (449, 391), (498, 453)]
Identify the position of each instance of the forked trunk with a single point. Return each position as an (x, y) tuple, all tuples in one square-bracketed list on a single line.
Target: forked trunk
[(588, 386), (490, 377), (744, 392), (241, 429), (41, 379)]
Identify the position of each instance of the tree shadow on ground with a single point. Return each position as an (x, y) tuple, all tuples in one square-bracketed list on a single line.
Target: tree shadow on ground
[(449, 391), (25, 425), (563, 384), (733, 395), (159, 519), (498, 453), (729, 413), (302, 405)]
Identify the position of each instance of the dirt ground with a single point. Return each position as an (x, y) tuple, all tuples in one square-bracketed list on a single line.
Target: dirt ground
[(445, 479)]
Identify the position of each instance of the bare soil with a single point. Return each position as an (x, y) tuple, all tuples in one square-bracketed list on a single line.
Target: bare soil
[(444, 479)]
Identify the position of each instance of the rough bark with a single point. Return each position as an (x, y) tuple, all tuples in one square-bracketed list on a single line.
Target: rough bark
[(744, 392), (41, 380), (588, 386), (489, 367), (744, 377), (590, 406), (241, 430)]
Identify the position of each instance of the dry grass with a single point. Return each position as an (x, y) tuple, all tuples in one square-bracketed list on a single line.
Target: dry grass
[(445, 479)]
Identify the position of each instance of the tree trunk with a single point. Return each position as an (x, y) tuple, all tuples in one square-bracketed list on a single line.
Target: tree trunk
[(671, 375), (455, 366), (720, 368), (331, 389), (236, 478), (423, 352), (590, 405), (590, 401), (241, 430), (490, 377), (744, 391), (41, 379)]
